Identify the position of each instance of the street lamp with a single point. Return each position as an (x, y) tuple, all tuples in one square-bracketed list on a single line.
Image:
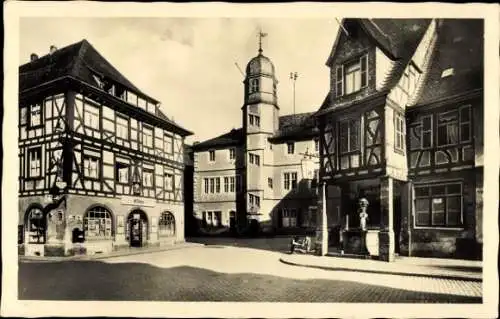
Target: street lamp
[(308, 168)]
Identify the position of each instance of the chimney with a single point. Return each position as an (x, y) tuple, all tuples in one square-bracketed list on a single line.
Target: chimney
[(53, 49), (33, 57)]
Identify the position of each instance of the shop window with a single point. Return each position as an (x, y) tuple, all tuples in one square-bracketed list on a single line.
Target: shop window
[(97, 224), (36, 226), (439, 205), (166, 225)]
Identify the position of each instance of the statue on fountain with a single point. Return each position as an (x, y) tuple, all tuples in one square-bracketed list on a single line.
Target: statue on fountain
[(363, 215)]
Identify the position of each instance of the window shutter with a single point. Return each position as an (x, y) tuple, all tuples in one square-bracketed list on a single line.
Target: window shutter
[(340, 80), (364, 72)]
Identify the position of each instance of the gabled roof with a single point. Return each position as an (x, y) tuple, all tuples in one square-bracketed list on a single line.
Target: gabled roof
[(232, 138), (295, 126), (291, 127), (79, 60), (397, 38), (459, 46)]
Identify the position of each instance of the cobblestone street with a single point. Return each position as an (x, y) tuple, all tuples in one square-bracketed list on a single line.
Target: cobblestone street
[(227, 273)]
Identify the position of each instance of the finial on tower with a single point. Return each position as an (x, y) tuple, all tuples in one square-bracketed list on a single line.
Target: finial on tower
[(261, 35)]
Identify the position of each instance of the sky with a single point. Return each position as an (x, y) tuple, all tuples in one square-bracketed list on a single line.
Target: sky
[(189, 64)]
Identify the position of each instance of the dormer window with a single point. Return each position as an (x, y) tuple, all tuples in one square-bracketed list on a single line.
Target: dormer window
[(448, 72), (254, 85), (352, 76)]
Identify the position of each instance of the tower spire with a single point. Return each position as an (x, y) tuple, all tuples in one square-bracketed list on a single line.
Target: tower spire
[(261, 35)]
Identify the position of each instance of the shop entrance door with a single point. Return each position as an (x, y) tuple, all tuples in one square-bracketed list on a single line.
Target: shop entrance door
[(232, 221), (137, 225)]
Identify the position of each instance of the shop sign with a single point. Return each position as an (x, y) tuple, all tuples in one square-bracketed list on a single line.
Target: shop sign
[(138, 201)]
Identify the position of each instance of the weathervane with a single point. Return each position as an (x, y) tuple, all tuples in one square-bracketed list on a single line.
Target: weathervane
[(261, 35), (293, 77)]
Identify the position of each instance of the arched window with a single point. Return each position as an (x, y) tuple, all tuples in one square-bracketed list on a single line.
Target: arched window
[(36, 226), (97, 224), (254, 85), (166, 224)]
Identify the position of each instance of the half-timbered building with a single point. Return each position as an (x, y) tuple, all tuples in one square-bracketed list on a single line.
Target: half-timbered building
[(402, 127), (101, 165)]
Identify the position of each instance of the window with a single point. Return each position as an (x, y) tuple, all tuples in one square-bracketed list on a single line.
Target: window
[(91, 167), (217, 185), (166, 225), (211, 155), (147, 136), (36, 226), (427, 131), (169, 182), (316, 145), (147, 178), (289, 217), (465, 123), (232, 153), (254, 120), (352, 76), (438, 205), (168, 146), (97, 224), (293, 180), (212, 185), (212, 218), (122, 127), (206, 185), (35, 115), (231, 183), (349, 136), (290, 180), (254, 85), (399, 131), (454, 127), (270, 182), (254, 159), (290, 147), (91, 116), (122, 172), (35, 162), (226, 184), (254, 200)]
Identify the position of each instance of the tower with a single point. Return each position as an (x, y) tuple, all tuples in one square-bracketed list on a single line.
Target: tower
[(260, 121)]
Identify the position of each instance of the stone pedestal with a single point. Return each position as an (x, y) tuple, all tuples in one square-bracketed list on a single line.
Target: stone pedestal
[(386, 245)]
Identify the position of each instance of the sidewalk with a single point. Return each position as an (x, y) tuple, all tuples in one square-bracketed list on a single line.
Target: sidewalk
[(117, 253), (403, 266)]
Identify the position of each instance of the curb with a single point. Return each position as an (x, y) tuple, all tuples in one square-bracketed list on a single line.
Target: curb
[(107, 256), (383, 272)]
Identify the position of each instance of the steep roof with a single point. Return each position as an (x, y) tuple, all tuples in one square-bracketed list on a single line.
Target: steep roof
[(459, 46), (295, 126), (397, 38), (291, 127), (79, 60), (232, 138)]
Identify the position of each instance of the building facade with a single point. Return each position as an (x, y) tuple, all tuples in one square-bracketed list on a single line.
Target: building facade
[(402, 126), (252, 178), (101, 166)]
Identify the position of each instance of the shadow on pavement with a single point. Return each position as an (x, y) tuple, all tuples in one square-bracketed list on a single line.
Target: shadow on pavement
[(97, 280), (384, 272), (275, 244)]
